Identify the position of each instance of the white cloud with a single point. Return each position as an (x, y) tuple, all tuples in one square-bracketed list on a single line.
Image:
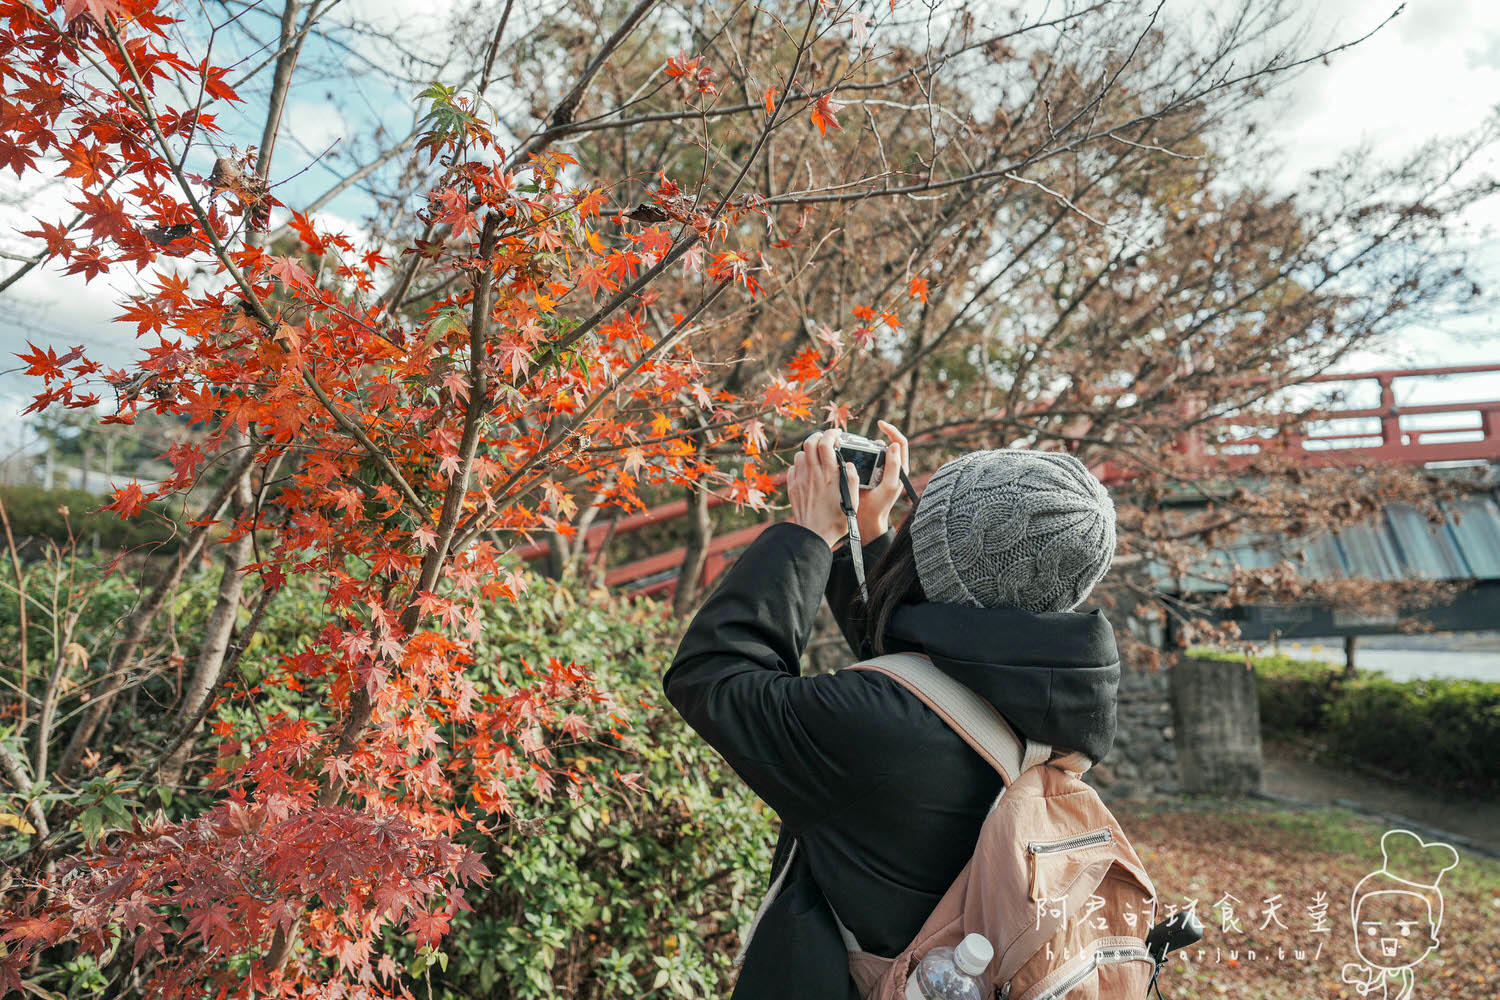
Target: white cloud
[(317, 125), (1433, 71)]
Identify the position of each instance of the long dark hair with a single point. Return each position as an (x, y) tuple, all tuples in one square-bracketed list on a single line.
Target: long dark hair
[(893, 582)]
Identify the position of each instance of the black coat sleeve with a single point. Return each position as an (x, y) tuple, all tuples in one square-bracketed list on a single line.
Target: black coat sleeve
[(843, 588), (805, 745)]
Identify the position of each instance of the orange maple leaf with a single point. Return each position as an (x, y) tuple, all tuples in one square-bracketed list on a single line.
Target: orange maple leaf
[(128, 501), (823, 113)]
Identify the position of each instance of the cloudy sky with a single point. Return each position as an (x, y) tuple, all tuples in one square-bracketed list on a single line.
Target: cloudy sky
[(1434, 71)]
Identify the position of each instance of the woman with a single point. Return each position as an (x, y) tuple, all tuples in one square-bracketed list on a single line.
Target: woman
[(885, 801)]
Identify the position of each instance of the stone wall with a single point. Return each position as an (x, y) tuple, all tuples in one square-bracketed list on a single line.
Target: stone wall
[(1143, 762), (1216, 712)]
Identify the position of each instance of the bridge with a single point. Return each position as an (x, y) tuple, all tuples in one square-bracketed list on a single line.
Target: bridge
[(1397, 544)]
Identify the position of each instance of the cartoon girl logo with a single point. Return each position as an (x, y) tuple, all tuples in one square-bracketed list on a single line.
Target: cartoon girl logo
[(1397, 911)]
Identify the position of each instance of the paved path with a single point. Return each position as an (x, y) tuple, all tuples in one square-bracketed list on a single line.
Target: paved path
[(1290, 773)]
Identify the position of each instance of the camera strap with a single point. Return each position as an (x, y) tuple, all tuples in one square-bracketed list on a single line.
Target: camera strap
[(856, 552)]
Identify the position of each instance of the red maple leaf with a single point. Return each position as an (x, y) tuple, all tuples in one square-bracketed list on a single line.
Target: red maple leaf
[(823, 113), (806, 365), (290, 273), (470, 868), (592, 278), (429, 928), (35, 930), (679, 67), (58, 244), (128, 500), (302, 226), (43, 362)]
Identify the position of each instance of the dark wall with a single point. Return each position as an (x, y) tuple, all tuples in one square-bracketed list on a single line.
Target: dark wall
[(1216, 719)]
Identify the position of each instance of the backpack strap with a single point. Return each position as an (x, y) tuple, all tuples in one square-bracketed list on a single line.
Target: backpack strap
[(967, 713), (973, 718)]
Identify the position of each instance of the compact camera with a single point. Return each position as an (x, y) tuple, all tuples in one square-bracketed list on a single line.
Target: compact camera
[(867, 457)]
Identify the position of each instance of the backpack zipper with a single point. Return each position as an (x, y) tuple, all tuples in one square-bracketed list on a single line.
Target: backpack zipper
[(1104, 956), (1101, 836)]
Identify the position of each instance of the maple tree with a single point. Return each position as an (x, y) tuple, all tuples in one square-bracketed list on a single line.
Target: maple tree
[(387, 421), (1095, 253)]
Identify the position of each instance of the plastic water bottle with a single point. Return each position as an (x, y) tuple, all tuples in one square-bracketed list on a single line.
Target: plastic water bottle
[(951, 973)]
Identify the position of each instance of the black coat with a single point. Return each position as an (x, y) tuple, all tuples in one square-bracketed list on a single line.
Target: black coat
[(884, 799)]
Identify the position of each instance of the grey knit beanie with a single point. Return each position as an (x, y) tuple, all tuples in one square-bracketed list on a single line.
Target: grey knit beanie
[(1027, 529)]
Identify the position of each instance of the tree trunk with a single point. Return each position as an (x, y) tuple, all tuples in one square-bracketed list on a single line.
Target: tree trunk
[(1350, 641), (85, 461), (701, 531), (221, 620), (578, 552), (690, 574), (216, 637), (557, 555)]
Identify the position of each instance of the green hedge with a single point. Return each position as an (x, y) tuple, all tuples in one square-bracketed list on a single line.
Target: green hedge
[(623, 893), (36, 517), (626, 894), (1441, 732), (1294, 694)]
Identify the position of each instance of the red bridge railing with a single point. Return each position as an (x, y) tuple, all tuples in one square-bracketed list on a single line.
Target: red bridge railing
[(1311, 442), (1395, 439)]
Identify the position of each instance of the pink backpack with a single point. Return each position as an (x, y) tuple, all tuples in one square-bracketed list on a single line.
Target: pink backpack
[(1054, 885)]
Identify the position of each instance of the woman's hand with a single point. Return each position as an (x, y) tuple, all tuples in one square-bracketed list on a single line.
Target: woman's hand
[(875, 506), (812, 486)]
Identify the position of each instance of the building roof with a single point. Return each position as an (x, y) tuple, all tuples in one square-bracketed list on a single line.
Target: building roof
[(1398, 543)]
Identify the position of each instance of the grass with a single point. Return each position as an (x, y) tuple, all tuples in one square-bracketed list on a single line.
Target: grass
[(1210, 850), (1277, 664)]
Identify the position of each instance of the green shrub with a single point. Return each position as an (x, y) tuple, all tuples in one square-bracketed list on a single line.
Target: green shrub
[(1441, 733), (627, 893), (76, 604), (624, 892), (36, 517)]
